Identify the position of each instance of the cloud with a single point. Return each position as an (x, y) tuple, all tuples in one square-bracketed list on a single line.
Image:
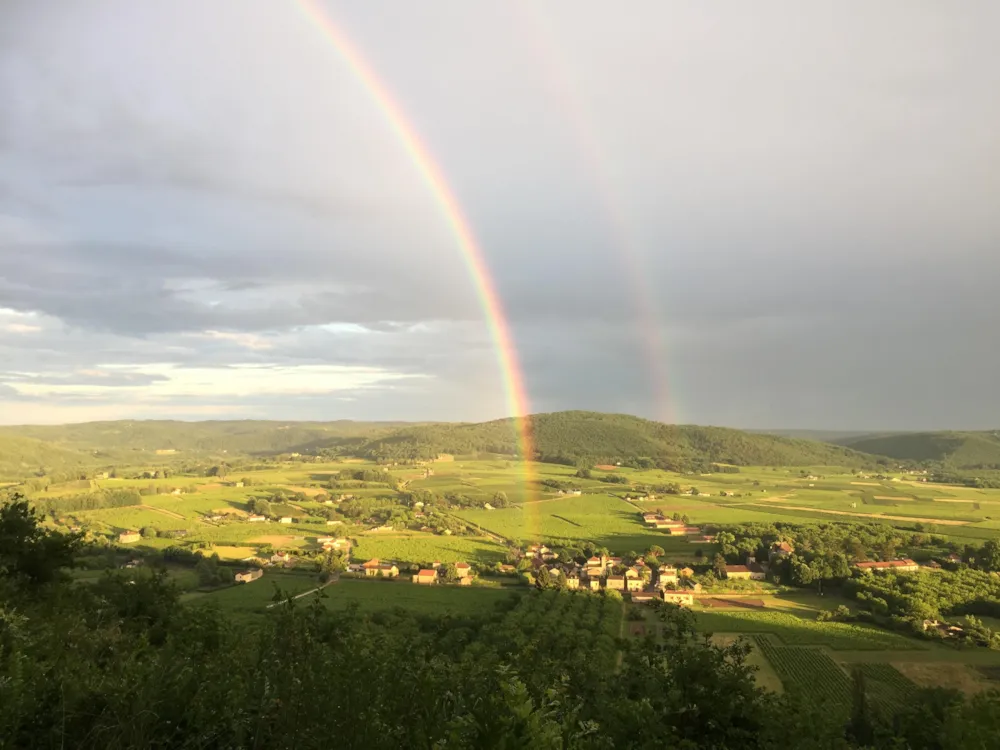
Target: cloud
[(678, 221)]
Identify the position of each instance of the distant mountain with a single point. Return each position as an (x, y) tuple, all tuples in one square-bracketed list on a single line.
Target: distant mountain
[(953, 450), (123, 439), (578, 436), (23, 456)]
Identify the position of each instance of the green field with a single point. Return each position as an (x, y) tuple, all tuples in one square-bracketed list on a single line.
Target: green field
[(254, 598)]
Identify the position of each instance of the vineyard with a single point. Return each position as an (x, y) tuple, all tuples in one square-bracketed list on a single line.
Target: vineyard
[(886, 686), (560, 627), (795, 631), (811, 673), (808, 672)]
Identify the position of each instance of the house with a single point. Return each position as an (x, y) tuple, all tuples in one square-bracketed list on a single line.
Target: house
[(334, 523), (324, 539), (127, 537), (666, 523), (900, 566), (247, 576), (285, 519), (632, 573), (954, 559), (388, 570), (682, 598), (757, 571), (685, 572), (372, 567), (633, 584), (256, 518), (616, 583), (738, 572), (337, 545), (595, 562), (613, 561), (667, 574), (594, 584), (779, 551), (505, 568), (280, 558), (425, 575), (573, 582), (463, 569), (467, 581), (639, 597), (355, 568)]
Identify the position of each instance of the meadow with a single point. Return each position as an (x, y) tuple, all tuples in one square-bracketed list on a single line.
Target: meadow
[(366, 595)]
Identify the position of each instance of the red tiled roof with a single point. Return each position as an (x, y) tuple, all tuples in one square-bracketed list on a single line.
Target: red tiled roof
[(425, 572), (737, 569)]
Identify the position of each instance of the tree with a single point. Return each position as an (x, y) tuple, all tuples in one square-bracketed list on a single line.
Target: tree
[(719, 566), (543, 579), (29, 553), (500, 500), (860, 728), (989, 556), (451, 573), (655, 550), (148, 532)]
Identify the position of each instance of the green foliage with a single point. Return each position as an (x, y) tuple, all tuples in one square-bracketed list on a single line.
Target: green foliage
[(950, 450), (123, 664), (573, 437), (795, 631)]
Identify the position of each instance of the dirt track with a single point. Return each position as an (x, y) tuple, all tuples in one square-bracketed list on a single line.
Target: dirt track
[(164, 512), (915, 519)]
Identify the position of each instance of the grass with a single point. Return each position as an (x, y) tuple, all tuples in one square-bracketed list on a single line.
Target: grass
[(368, 596), (424, 548), (792, 630)]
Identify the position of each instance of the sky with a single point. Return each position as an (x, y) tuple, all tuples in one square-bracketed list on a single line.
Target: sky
[(766, 215)]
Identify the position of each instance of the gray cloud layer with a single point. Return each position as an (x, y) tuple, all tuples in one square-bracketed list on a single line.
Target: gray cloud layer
[(771, 216)]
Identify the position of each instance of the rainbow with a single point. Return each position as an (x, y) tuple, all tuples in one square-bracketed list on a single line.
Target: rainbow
[(423, 160), (560, 83)]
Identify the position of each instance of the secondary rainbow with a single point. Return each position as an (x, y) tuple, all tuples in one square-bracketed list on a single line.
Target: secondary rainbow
[(420, 155)]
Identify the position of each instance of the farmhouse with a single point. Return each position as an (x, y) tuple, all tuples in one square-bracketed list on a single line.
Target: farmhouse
[(641, 597), (594, 584), (667, 574), (685, 572), (127, 537), (757, 571), (738, 572), (616, 583), (374, 568), (632, 573), (900, 566), (256, 519), (633, 584), (463, 569), (425, 575), (280, 558), (683, 598), (247, 576), (505, 568), (285, 519), (467, 581)]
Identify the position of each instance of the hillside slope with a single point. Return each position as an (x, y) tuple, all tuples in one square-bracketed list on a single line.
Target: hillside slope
[(243, 437), (22, 457), (578, 436), (953, 450)]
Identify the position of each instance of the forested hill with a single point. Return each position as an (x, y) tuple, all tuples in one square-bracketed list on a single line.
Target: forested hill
[(587, 437), (22, 456), (953, 450)]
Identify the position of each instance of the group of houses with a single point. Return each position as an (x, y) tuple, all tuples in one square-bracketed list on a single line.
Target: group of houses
[(672, 526), (605, 572), (436, 574)]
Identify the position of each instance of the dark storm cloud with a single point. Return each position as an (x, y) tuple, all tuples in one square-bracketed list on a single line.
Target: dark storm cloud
[(768, 216)]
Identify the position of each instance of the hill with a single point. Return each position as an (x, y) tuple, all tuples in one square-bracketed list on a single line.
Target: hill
[(587, 437), (952, 450), (23, 456), (136, 438)]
